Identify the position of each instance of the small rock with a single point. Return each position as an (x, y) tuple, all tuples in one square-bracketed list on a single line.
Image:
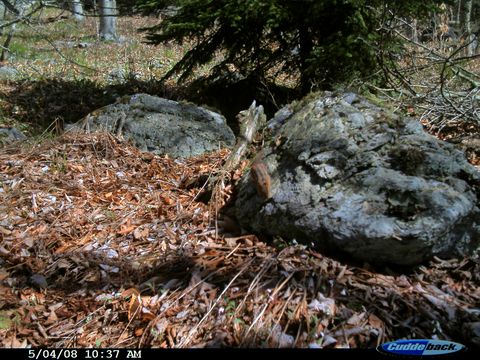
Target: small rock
[(279, 118), (10, 134), (8, 73), (39, 281)]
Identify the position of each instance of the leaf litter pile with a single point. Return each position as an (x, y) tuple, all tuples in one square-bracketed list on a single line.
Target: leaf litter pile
[(103, 245)]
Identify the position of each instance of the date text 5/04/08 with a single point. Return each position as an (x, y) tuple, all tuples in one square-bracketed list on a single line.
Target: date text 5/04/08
[(40, 354)]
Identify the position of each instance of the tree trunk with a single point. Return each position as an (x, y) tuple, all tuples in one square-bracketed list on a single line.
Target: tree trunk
[(108, 20), (467, 28), (77, 10), (7, 5), (413, 30), (3, 11), (5, 48), (459, 14), (9, 10)]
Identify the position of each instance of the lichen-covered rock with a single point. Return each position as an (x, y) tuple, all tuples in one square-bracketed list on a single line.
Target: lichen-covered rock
[(8, 73), (349, 176), (9, 135), (163, 126)]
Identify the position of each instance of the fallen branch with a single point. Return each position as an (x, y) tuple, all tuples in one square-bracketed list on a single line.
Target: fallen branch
[(251, 121)]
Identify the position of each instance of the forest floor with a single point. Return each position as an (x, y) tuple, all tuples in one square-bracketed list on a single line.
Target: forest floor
[(102, 245)]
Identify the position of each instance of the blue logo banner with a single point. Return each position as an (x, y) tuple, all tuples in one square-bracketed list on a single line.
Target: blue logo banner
[(420, 347)]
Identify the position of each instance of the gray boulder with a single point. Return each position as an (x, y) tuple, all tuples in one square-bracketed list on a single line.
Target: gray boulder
[(349, 176), (9, 135), (163, 126), (8, 73)]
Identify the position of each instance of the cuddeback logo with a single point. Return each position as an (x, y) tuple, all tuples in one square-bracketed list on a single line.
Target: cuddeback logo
[(420, 347)]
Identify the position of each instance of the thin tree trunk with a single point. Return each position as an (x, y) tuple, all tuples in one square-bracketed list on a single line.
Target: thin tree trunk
[(459, 13), (13, 10), (11, 7), (77, 10), (467, 26), (5, 48), (414, 30), (3, 12), (108, 20)]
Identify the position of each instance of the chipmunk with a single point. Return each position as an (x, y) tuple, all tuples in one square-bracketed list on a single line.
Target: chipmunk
[(261, 179)]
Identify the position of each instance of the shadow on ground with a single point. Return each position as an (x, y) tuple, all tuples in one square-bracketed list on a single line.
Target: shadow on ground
[(42, 103)]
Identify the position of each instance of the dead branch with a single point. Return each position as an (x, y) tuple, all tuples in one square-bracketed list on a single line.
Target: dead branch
[(251, 121)]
